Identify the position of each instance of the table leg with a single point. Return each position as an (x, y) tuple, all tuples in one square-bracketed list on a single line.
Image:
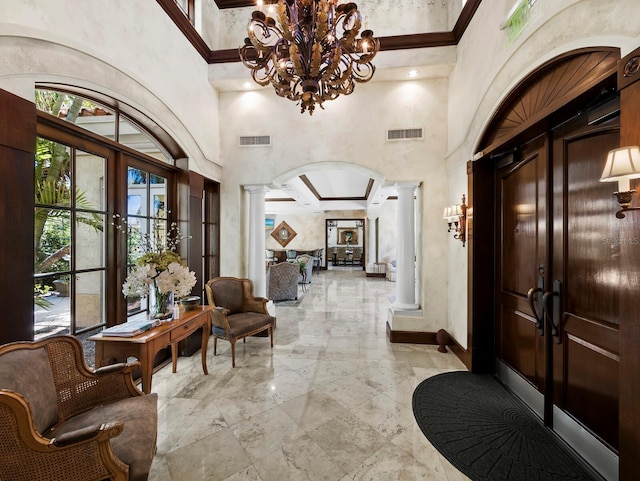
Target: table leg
[(147, 368), (174, 356), (206, 329)]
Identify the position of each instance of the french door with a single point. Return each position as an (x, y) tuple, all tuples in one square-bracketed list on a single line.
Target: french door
[(557, 272)]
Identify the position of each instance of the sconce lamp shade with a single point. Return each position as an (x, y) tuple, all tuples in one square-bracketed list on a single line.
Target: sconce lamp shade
[(447, 213), (622, 165), (456, 210)]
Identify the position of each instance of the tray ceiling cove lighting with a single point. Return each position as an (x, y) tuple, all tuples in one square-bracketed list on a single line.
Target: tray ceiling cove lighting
[(312, 53)]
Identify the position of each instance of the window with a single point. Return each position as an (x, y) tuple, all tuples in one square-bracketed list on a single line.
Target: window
[(81, 182), (188, 8), (101, 120), (147, 218), (210, 232), (70, 255)]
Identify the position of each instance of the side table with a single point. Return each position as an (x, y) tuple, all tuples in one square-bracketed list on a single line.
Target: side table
[(146, 345)]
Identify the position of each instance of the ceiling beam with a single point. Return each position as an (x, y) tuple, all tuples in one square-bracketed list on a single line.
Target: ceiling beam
[(395, 42)]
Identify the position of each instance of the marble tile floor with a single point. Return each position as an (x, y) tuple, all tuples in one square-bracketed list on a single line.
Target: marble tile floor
[(331, 401)]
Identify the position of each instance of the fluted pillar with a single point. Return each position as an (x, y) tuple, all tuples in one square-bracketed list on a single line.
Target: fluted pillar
[(256, 239), (406, 247)]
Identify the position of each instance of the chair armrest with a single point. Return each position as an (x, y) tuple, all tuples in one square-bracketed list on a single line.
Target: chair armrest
[(257, 304), (219, 318), (76, 456), (98, 432), (120, 367)]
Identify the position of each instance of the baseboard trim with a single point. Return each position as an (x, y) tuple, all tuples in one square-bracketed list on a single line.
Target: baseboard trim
[(410, 337), (461, 353), (373, 274), (422, 337)]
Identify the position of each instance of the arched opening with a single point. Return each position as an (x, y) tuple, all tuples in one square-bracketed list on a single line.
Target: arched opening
[(548, 323)]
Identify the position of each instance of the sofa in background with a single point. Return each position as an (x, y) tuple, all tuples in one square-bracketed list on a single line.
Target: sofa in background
[(61, 420)]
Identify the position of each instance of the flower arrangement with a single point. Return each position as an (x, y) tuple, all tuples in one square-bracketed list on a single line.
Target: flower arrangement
[(159, 271)]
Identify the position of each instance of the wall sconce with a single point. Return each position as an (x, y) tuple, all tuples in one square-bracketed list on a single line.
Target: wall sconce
[(456, 217), (622, 165)]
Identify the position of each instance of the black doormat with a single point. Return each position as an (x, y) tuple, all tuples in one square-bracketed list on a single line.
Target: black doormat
[(488, 434)]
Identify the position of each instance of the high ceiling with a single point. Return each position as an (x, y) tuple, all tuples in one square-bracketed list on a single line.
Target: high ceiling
[(412, 29)]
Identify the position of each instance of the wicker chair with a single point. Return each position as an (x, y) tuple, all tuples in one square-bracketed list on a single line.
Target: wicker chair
[(237, 312), (61, 421)]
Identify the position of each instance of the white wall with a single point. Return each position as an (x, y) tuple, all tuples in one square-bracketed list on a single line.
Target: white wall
[(489, 67), (109, 47), (351, 130)]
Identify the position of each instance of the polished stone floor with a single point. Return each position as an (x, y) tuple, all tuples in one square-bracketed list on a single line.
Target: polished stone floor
[(331, 401)]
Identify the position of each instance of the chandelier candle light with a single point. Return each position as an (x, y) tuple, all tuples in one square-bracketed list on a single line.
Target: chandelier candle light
[(312, 53)]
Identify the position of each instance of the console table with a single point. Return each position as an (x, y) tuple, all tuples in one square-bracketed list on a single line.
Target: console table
[(145, 346)]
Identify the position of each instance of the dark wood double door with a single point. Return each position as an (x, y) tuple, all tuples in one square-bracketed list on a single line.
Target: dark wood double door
[(558, 269)]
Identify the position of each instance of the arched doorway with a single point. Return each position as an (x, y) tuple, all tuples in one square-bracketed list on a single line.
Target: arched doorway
[(541, 220), (324, 200)]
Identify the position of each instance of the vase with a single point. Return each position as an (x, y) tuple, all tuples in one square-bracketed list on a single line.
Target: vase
[(160, 304)]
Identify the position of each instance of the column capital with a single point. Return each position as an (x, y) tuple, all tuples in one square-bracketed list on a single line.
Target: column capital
[(256, 188), (406, 185)]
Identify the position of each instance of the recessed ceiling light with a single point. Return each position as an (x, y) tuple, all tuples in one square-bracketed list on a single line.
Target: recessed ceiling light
[(413, 73)]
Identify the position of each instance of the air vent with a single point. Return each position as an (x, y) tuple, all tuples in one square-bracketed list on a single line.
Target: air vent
[(254, 140), (404, 134)]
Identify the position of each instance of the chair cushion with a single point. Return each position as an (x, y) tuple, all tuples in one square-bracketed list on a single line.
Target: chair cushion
[(28, 372), (246, 322), (136, 445), (228, 293)]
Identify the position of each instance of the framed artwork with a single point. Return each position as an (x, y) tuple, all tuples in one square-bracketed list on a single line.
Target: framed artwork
[(269, 223), (283, 233), (347, 235)]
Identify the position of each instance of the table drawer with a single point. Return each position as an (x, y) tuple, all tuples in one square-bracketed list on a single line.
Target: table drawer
[(184, 330)]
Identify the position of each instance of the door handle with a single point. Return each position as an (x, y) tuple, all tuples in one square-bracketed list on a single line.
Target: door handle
[(534, 296), (551, 306), (536, 299)]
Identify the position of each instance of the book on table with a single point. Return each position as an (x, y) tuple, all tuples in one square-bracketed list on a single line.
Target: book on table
[(133, 327)]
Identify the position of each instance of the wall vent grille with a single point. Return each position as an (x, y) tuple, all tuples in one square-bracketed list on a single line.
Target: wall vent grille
[(404, 134), (254, 140)]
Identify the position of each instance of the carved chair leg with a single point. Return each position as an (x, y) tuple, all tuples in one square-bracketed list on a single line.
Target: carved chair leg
[(271, 336), (215, 346)]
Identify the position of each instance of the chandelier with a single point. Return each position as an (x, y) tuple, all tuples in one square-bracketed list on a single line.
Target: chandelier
[(312, 53)]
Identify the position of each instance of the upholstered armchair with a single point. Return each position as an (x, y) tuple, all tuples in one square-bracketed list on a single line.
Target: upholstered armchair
[(283, 281), (307, 260), (237, 312), (59, 420)]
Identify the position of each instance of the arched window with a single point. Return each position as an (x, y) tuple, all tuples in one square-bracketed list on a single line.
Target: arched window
[(94, 163)]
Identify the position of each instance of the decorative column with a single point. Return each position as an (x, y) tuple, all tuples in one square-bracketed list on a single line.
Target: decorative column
[(406, 248), (257, 271), (372, 241)]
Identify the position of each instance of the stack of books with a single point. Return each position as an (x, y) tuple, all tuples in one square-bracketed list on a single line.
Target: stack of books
[(131, 328)]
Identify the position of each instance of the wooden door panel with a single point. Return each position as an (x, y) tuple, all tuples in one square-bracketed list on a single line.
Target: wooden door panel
[(585, 258), (522, 261), (519, 227), (519, 343), (591, 387), (591, 261)]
